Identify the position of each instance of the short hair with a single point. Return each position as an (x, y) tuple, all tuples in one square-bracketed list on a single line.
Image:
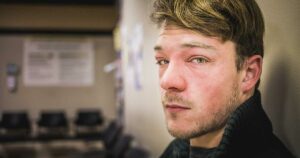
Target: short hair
[(239, 21)]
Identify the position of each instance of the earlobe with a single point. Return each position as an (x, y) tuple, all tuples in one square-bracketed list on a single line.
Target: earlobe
[(253, 69)]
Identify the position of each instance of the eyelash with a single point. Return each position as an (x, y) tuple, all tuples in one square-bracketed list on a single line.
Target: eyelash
[(196, 60), (159, 62), (199, 60)]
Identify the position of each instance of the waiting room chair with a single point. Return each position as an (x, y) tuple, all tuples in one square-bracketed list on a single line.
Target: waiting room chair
[(88, 124), (121, 147), (52, 124), (15, 126), (111, 134)]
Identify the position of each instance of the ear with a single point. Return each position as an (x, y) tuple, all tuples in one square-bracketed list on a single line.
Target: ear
[(252, 70)]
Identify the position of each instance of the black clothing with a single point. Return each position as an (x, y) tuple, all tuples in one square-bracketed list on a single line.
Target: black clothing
[(196, 152), (248, 134)]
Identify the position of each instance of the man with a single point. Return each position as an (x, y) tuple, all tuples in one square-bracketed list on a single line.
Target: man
[(210, 55)]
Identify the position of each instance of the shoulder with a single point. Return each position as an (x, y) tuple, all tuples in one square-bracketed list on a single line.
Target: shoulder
[(276, 149), (178, 148)]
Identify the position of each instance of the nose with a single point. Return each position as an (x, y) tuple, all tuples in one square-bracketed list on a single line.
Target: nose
[(172, 78)]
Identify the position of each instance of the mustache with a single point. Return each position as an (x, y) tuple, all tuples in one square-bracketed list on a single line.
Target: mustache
[(175, 98)]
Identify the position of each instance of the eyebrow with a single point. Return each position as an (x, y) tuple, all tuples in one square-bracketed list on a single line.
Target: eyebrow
[(189, 45), (198, 45)]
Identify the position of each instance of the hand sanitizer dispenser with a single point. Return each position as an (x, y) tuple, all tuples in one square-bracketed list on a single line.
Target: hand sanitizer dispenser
[(12, 71)]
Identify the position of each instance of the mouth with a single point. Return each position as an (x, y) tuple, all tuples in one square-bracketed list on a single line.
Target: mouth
[(173, 108)]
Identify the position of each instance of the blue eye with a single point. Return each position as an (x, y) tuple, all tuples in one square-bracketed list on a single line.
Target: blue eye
[(162, 62), (199, 60)]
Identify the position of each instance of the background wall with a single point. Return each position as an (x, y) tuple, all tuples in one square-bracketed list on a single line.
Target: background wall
[(57, 16), (34, 99), (143, 113), (280, 81), (281, 74)]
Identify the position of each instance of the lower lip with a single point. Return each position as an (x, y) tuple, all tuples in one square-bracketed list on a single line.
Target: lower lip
[(176, 109)]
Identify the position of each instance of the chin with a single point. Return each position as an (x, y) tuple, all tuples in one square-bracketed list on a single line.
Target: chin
[(177, 133), (181, 133), (178, 130)]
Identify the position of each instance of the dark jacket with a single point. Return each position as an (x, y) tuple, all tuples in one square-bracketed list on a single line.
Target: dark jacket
[(248, 134)]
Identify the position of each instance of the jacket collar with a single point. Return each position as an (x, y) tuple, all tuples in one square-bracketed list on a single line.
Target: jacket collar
[(247, 128)]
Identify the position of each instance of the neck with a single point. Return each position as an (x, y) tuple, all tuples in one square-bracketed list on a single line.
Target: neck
[(209, 140)]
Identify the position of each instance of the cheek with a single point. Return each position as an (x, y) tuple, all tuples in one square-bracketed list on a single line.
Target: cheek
[(211, 89)]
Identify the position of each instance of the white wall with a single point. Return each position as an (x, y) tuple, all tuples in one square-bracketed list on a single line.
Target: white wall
[(143, 112), (280, 81)]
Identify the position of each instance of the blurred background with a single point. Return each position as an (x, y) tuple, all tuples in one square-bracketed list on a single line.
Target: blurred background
[(78, 78)]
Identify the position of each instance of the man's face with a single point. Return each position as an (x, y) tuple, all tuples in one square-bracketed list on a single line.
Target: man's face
[(200, 84)]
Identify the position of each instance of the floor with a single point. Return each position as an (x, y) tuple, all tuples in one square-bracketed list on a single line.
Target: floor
[(54, 149)]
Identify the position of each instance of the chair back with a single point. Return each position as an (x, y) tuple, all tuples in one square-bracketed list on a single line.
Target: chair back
[(122, 145), (15, 121), (112, 134), (89, 118), (52, 120)]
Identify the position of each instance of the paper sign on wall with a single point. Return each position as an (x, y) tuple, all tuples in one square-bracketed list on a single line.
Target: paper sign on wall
[(58, 62)]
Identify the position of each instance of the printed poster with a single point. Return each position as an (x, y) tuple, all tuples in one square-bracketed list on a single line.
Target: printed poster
[(58, 62)]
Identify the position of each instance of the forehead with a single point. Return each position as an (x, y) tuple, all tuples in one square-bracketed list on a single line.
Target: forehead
[(173, 31), (172, 36)]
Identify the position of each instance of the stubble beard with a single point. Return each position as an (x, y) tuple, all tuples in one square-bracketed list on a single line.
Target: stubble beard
[(216, 120)]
